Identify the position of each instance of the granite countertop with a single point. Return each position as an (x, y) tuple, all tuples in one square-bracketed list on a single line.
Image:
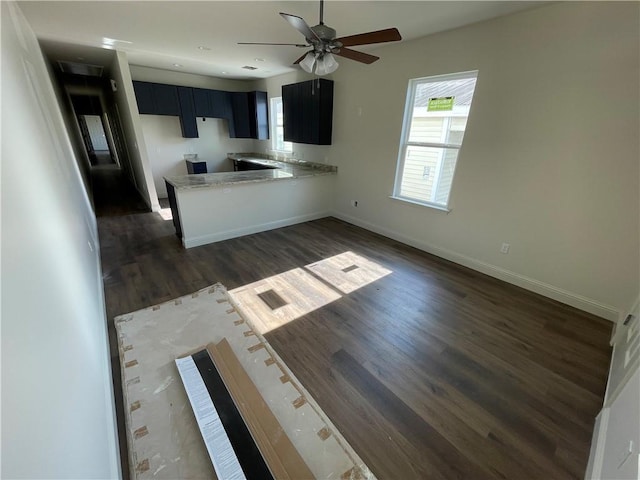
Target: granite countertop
[(284, 169)]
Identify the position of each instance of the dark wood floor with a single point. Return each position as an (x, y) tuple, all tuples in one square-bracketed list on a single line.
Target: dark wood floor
[(434, 371)]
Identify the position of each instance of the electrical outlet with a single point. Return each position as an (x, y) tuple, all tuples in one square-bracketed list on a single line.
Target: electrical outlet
[(354, 203), (505, 248)]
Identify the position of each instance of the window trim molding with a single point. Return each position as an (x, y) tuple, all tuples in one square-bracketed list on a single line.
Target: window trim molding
[(404, 137), (273, 127), (435, 206)]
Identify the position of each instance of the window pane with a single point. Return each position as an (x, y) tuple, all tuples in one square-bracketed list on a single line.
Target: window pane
[(277, 127), (429, 126), (435, 121), (279, 138), (428, 172)]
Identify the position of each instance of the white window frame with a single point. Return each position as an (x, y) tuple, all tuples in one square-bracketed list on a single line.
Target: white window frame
[(404, 140), (273, 104)]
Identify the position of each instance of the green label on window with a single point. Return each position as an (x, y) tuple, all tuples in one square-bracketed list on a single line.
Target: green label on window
[(440, 104)]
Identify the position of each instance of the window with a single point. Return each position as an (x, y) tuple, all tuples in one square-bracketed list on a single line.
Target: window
[(435, 119), (277, 127)]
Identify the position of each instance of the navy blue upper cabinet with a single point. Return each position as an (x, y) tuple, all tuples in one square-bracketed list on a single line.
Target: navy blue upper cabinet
[(246, 112), (156, 98), (166, 99), (187, 112), (260, 106), (308, 111), (212, 103), (250, 115), (144, 97), (202, 102), (220, 104), (241, 116)]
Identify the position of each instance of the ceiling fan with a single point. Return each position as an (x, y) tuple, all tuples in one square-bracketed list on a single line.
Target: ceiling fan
[(324, 44)]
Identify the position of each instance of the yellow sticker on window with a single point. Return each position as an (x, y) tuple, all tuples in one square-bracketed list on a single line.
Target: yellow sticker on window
[(440, 104)]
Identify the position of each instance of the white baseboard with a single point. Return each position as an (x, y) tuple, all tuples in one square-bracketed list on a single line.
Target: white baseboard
[(573, 299), (240, 232)]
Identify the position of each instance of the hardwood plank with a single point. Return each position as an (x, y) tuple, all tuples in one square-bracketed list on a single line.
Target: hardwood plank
[(429, 371)]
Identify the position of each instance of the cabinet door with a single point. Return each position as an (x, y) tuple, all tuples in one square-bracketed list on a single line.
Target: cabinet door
[(202, 102), (261, 115), (310, 103), (289, 108), (241, 118), (187, 113), (165, 98), (325, 114), (144, 97), (220, 104), (308, 112)]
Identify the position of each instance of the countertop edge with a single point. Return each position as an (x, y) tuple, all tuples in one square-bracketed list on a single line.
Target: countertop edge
[(242, 181)]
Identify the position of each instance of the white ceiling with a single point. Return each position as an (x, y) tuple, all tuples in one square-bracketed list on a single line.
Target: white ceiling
[(166, 33)]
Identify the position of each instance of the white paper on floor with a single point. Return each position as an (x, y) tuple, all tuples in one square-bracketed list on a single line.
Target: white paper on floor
[(163, 437)]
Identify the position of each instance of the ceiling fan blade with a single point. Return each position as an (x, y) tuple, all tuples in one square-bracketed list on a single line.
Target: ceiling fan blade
[(300, 59), (299, 24), (263, 43), (357, 56), (379, 36)]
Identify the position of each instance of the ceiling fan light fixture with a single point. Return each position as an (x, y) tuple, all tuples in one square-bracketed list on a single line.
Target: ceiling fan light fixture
[(326, 64), (308, 62)]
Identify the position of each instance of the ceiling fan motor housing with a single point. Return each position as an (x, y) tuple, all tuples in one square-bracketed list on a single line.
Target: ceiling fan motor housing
[(326, 44), (323, 32)]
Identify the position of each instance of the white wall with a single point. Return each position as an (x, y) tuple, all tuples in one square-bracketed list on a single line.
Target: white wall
[(550, 156), (130, 120), (166, 146), (217, 213), (58, 418), (148, 74)]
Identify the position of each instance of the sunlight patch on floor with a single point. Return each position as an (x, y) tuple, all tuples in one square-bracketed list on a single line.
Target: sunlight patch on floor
[(300, 292), (348, 271), (166, 214), (275, 301)]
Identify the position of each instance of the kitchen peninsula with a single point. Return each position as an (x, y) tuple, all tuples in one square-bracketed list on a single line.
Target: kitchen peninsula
[(211, 207)]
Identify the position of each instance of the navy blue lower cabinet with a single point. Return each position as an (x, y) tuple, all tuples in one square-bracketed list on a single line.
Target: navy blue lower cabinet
[(196, 167)]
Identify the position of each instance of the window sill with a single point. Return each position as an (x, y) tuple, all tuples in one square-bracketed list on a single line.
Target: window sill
[(422, 204)]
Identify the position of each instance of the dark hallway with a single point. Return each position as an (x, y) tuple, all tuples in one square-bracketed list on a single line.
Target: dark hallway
[(113, 193)]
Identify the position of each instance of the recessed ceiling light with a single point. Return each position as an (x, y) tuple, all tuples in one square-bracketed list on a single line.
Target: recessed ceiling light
[(177, 65), (259, 59), (224, 73), (202, 47)]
